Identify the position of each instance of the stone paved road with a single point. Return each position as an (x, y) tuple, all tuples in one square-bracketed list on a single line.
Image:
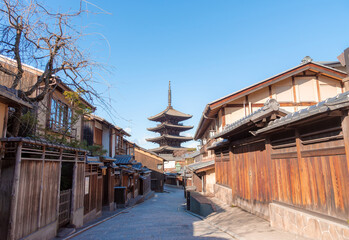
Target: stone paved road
[(162, 217)]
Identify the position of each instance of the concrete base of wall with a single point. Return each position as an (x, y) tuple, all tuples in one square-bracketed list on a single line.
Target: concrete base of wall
[(111, 206), (92, 215), (77, 217), (304, 223), (223, 193), (259, 209), (47, 232)]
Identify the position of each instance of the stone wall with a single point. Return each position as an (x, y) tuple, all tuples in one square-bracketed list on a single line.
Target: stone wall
[(304, 223), (223, 193)]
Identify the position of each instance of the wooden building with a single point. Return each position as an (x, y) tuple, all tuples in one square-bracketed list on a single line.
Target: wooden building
[(94, 170), (296, 164), (128, 176), (8, 98), (295, 89), (98, 131), (202, 176), (55, 112), (42, 188), (155, 163)]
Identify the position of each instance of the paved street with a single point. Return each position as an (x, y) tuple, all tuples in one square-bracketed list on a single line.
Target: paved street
[(162, 217)]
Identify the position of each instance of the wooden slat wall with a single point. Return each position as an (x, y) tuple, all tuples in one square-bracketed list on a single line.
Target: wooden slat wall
[(28, 198), (35, 202), (317, 180), (111, 185), (250, 177), (99, 193), (80, 191), (223, 168), (50, 189), (306, 168), (6, 182)]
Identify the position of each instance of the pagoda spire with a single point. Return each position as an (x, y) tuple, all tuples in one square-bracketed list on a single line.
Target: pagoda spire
[(169, 128), (169, 94)]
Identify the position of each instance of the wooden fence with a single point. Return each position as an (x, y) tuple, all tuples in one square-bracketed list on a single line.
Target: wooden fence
[(30, 186), (305, 167)]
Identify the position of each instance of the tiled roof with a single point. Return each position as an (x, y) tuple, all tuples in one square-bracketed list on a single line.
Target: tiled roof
[(330, 104), (200, 165), (123, 159), (10, 96), (171, 137), (270, 106), (168, 125), (170, 112), (163, 148)]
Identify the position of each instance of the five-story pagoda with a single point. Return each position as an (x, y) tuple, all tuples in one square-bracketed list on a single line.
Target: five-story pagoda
[(169, 128)]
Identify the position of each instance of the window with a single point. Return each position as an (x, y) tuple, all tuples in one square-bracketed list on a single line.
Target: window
[(61, 116)]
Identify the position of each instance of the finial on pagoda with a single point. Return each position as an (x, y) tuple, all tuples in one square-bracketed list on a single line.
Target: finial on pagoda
[(169, 94)]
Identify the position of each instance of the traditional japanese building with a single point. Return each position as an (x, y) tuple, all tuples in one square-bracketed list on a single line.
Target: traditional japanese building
[(169, 129)]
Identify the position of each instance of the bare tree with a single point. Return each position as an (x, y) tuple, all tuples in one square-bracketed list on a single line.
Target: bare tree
[(32, 34)]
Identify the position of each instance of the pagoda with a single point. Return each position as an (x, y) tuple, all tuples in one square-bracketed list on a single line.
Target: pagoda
[(169, 129)]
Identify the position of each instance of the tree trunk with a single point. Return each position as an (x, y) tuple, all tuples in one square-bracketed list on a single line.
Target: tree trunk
[(17, 121)]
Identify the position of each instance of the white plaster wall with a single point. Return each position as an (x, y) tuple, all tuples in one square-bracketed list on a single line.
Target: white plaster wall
[(78, 127), (306, 89), (260, 96), (233, 114), (210, 181), (283, 91), (41, 115), (329, 87)]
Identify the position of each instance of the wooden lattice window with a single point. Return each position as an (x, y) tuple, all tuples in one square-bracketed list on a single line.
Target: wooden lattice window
[(60, 116)]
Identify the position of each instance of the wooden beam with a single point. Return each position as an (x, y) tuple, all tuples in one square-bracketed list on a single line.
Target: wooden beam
[(223, 117), (294, 92), (14, 193), (345, 129), (240, 105), (41, 184), (318, 89)]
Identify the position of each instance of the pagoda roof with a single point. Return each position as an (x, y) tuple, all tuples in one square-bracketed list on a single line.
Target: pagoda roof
[(171, 137), (169, 125), (165, 148), (170, 112)]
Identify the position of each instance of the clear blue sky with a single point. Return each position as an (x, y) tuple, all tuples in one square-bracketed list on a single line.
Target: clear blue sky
[(207, 49)]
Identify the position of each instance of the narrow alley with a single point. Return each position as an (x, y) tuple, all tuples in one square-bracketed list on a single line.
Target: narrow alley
[(162, 217)]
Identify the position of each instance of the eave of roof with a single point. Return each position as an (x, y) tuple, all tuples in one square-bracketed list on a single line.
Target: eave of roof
[(102, 120), (167, 125), (271, 106), (171, 112), (200, 165), (334, 73), (180, 138), (163, 148), (39, 71), (338, 102), (10, 97)]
